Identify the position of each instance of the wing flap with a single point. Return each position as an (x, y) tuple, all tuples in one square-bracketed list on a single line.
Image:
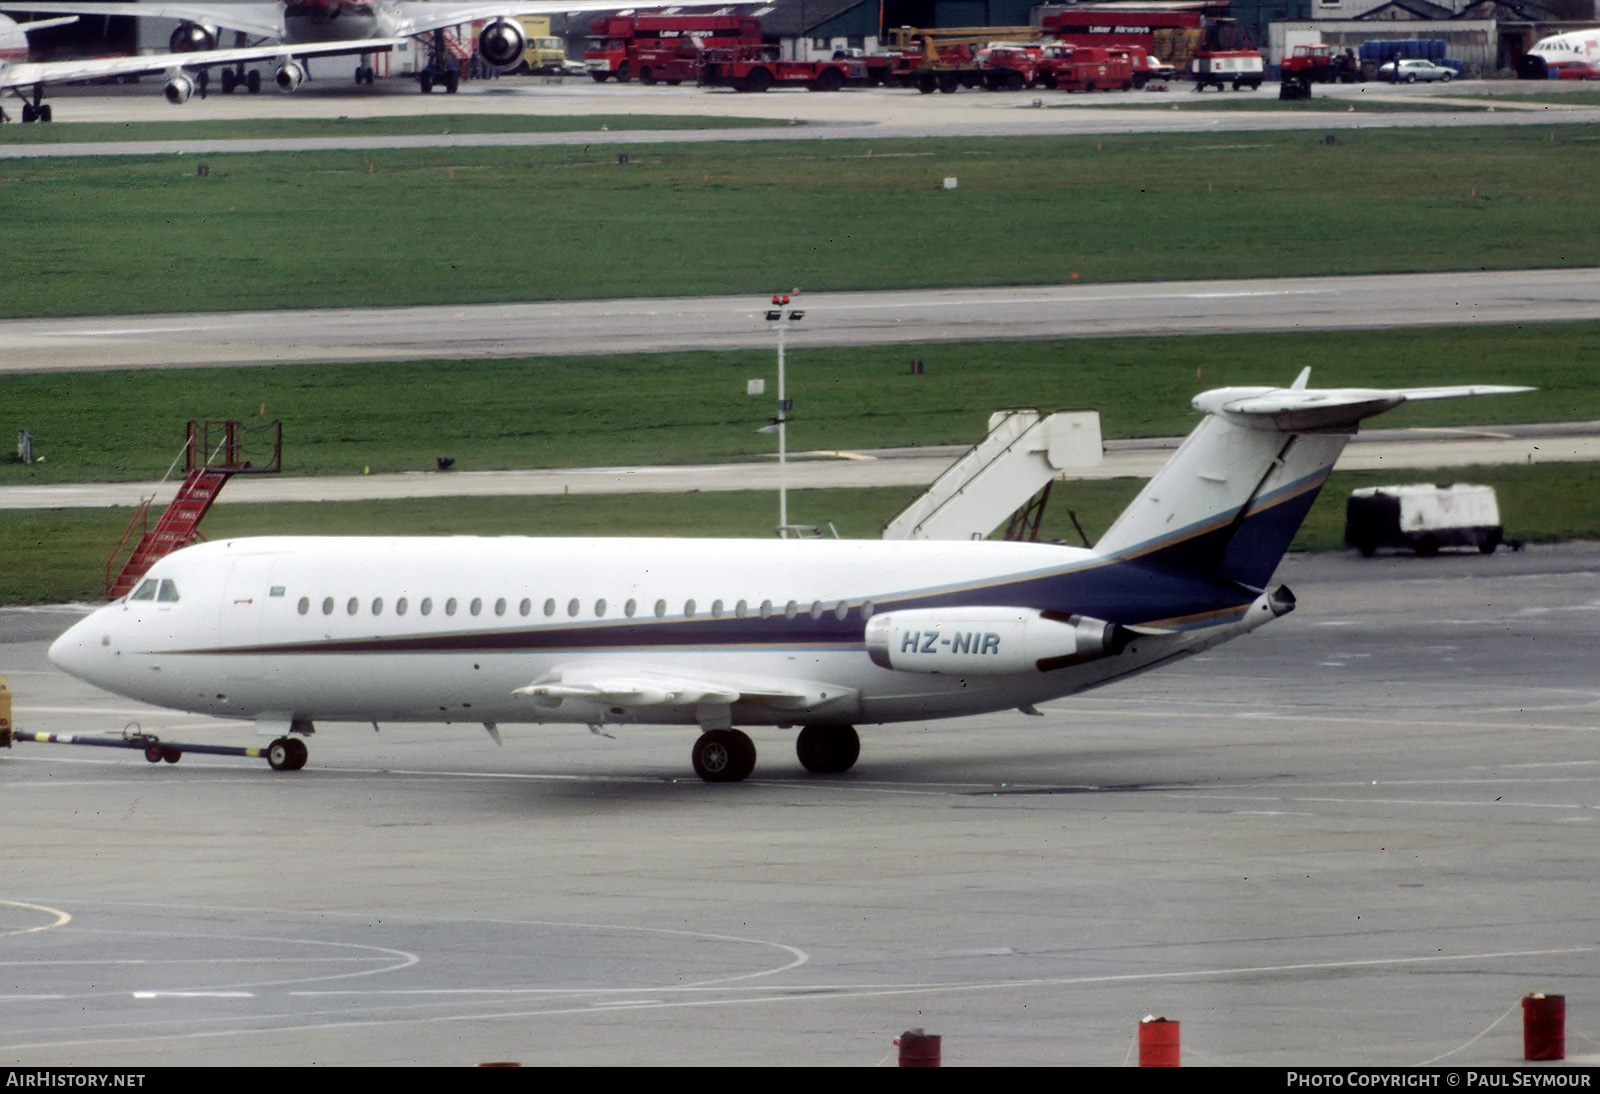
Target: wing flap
[(645, 686)]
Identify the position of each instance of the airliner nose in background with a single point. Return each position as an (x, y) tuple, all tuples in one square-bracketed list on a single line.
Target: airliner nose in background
[(814, 635)]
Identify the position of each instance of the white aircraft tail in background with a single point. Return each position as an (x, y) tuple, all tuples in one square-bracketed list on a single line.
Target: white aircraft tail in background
[(819, 635)]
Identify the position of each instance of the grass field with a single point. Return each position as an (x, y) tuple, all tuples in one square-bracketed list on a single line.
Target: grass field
[(692, 407), (439, 226)]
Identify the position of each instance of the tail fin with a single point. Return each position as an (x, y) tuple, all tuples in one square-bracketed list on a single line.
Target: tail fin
[(1230, 500)]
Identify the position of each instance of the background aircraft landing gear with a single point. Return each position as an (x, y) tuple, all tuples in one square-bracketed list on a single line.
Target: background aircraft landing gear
[(287, 754), (441, 70), (828, 750), (723, 756)]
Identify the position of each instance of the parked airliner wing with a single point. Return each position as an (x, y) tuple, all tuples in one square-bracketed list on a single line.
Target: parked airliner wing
[(421, 16), (32, 74), (263, 19)]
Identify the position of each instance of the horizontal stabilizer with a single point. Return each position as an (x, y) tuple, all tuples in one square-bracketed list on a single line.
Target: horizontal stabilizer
[(1317, 410)]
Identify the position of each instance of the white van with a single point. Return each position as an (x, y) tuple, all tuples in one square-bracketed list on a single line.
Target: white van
[(1423, 518)]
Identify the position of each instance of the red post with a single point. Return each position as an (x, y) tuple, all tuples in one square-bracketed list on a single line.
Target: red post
[(1158, 1043), (1544, 1027), (918, 1049)]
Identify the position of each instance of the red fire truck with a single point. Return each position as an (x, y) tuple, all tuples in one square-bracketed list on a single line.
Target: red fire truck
[(668, 48)]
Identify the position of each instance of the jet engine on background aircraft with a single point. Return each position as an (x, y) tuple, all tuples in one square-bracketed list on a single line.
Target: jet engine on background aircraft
[(178, 89), (502, 43), (989, 641), (192, 36), (290, 75)]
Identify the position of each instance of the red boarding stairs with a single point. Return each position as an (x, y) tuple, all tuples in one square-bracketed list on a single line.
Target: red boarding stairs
[(213, 453)]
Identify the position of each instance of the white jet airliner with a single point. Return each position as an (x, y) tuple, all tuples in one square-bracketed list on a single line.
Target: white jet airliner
[(1574, 55), (819, 635), (293, 30)]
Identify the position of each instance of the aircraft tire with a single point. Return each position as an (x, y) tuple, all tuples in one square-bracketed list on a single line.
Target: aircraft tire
[(723, 756), (828, 750), (152, 754), (287, 754)]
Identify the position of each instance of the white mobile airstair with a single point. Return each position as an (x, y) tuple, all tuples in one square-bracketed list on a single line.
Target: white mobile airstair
[(1023, 453)]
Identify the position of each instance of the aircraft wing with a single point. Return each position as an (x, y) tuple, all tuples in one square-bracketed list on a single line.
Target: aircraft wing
[(27, 74), (651, 687), (265, 19), (421, 16)]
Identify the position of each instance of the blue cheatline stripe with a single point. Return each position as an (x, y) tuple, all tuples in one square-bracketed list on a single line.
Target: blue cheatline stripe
[(1129, 592)]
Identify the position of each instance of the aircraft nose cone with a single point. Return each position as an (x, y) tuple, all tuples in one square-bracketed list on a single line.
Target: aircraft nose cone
[(72, 652)]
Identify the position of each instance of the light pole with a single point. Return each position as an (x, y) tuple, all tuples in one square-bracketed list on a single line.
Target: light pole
[(782, 318)]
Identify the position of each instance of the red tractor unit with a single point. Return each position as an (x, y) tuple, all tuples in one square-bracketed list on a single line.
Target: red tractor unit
[(667, 48), (1321, 65), (1008, 67)]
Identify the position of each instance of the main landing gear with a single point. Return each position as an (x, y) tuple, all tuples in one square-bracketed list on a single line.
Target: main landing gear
[(35, 111), (729, 755)]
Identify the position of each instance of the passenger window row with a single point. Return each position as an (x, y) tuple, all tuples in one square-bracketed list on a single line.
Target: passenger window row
[(377, 606)]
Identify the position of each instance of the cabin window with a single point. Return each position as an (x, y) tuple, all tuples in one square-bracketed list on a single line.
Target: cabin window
[(450, 606), (550, 606), (168, 593), (377, 605), (716, 609), (688, 609), (599, 609), (866, 610), (146, 590), (526, 607), (740, 609), (840, 610), (630, 607), (304, 605), (427, 605), (327, 605), (766, 609), (500, 606), (477, 605), (816, 609), (352, 606), (400, 606), (790, 610), (661, 608), (573, 607)]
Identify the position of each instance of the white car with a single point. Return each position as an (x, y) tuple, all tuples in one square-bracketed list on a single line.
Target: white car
[(1414, 70)]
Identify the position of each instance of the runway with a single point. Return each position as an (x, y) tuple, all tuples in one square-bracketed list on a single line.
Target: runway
[(1357, 836), (646, 325), (797, 114)]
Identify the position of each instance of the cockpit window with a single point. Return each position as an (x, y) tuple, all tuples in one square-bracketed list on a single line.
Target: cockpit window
[(145, 591), (169, 592)]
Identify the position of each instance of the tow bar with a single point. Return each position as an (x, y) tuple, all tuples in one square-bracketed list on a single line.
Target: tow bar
[(154, 748)]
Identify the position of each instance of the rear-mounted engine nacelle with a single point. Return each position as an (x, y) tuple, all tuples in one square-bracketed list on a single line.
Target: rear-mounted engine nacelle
[(290, 75), (988, 641), (178, 89), (502, 43), (192, 36)]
